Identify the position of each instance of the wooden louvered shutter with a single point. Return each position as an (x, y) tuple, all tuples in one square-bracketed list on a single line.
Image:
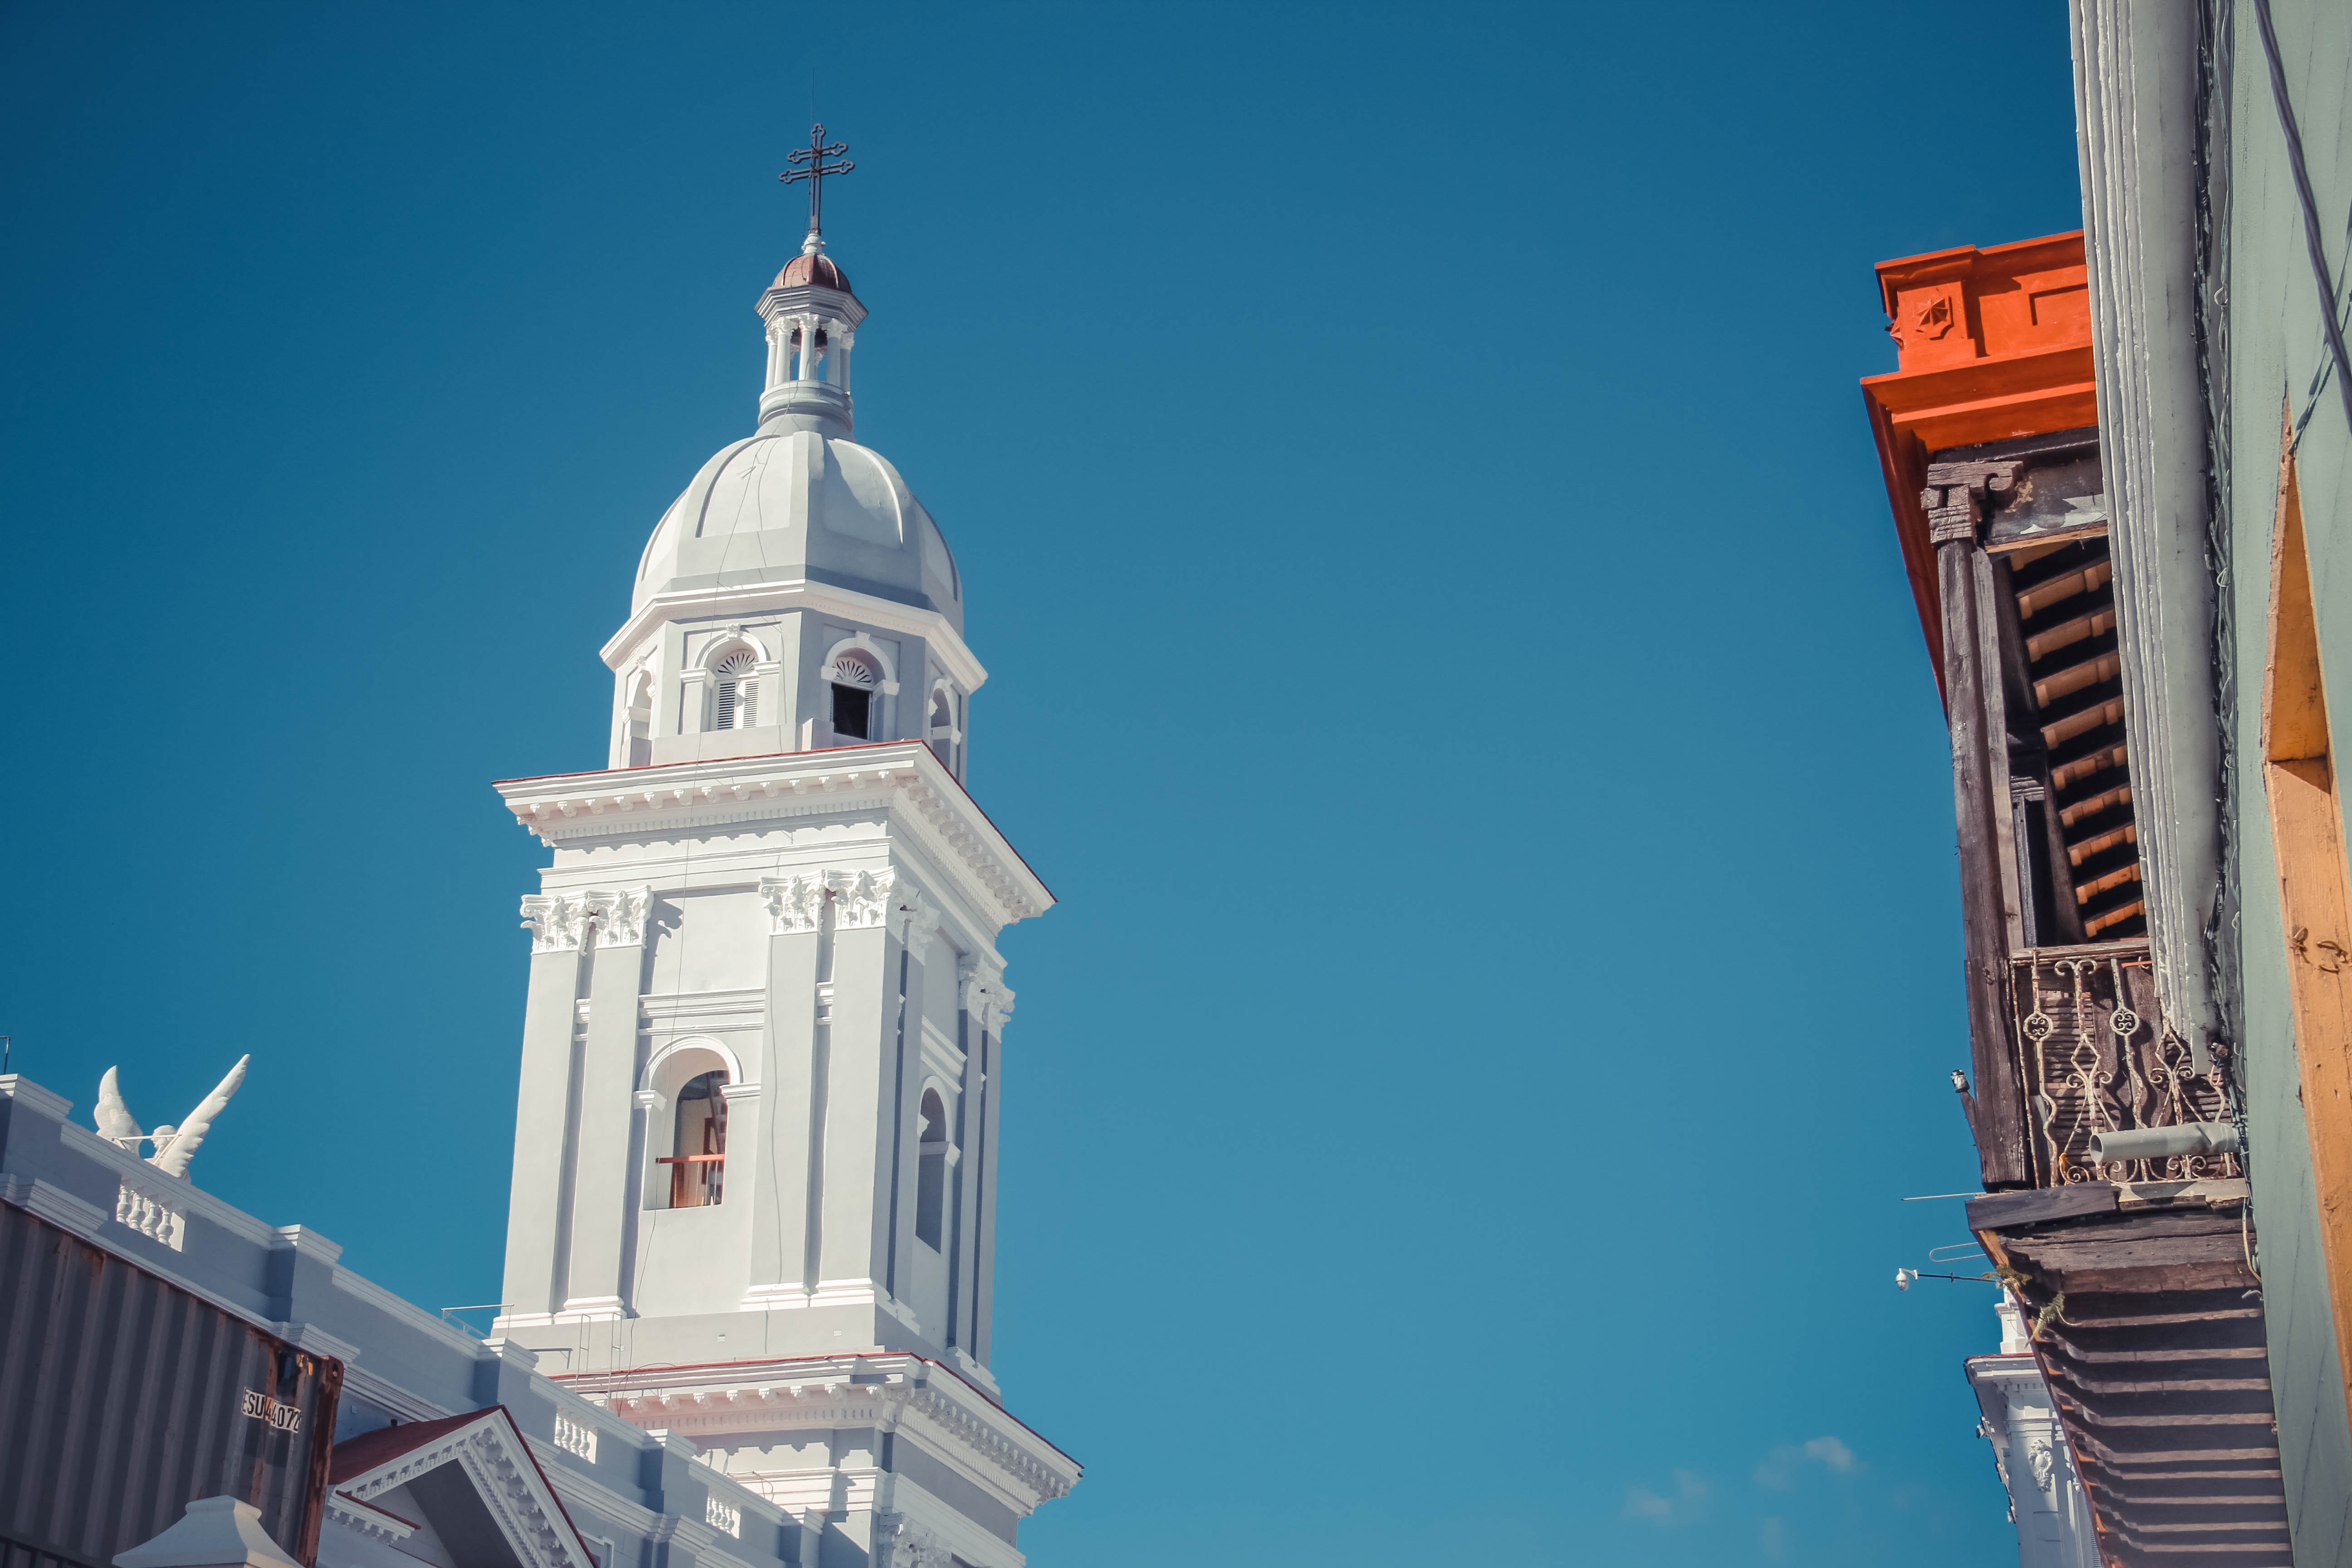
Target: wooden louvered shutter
[(2063, 595)]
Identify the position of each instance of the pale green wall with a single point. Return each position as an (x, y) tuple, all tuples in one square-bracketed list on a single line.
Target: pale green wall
[(2277, 344)]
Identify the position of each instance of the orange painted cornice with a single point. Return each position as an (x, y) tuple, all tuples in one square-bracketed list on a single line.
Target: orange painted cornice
[(1990, 344)]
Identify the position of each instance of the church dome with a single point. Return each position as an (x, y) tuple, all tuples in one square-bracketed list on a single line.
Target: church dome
[(787, 504), (818, 271)]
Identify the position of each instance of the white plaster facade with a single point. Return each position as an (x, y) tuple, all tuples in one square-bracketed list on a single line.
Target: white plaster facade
[(754, 1182), (2030, 1451)]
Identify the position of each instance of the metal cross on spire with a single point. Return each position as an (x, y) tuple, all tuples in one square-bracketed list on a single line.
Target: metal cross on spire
[(809, 163)]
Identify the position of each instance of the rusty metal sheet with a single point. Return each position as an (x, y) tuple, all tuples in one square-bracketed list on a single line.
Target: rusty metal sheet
[(123, 1398)]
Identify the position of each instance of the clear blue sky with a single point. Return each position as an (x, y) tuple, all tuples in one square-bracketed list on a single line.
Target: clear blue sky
[(1449, 654)]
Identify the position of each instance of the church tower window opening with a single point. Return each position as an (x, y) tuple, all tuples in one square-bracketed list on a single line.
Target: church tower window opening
[(736, 705), (697, 1178), (638, 721), (944, 730), (687, 1130), (855, 683), (932, 1182)]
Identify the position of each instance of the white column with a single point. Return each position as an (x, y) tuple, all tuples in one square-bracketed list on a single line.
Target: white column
[(779, 1192), (809, 325), (535, 1250), (601, 1188)]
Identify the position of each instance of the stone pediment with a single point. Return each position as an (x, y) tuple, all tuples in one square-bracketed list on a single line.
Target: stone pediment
[(465, 1488)]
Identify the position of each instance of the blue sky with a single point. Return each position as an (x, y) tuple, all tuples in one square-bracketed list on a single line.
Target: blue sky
[(1449, 654)]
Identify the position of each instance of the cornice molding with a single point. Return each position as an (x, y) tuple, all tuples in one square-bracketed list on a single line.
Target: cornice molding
[(54, 1204), (904, 778), (387, 1396), (945, 644), (374, 1522), (890, 1393), (405, 1313)]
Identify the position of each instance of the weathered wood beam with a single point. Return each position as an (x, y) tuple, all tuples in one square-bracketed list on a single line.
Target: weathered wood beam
[(1972, 695)]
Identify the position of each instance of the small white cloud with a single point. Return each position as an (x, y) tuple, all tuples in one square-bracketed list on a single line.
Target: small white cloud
[(1690, 1496), (1833, 1454), (1772, 1539), (1777, 1470)]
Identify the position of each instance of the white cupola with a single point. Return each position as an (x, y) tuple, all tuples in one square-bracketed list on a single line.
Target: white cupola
[(812, 318), (796, 596)]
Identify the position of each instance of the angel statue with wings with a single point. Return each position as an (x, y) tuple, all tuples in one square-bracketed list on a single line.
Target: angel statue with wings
[(174, 1146)]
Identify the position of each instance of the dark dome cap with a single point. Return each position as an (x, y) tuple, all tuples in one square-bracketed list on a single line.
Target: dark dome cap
[(817, 271)]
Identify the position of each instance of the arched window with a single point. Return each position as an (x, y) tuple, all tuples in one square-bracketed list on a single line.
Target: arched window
[(737, 704), (931, 1184), (683, 1094), (942, 724), (698, 1165), (640, 723), (856, 682)]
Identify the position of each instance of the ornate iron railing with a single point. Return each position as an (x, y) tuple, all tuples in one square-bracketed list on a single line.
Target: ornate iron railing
[(2098, 1056)]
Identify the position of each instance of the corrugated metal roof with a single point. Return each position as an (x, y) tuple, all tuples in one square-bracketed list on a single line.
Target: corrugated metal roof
[(124, 1398)]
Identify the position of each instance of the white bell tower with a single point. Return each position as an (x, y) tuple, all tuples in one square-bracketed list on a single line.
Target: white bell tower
[(762, 1061)]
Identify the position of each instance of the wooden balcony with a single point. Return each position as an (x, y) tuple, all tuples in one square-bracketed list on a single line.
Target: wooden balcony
[(2094, 1054)]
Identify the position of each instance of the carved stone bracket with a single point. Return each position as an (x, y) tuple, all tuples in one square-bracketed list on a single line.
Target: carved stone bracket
[(1957, 494)]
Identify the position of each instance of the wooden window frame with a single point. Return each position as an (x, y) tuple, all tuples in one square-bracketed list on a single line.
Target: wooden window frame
[(2306, 813)]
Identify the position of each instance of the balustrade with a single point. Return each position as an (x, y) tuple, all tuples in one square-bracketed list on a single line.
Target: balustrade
[(2096, 1056)]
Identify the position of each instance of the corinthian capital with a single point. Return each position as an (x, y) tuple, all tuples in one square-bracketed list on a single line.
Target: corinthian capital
[(621, 916), (912, 918), (794, 903), (861, 899), (555, 921), (986, 998), (900, 1542)]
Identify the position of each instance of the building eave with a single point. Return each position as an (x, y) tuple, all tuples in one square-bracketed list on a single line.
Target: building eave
[(897, 1391), (563, 808)]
